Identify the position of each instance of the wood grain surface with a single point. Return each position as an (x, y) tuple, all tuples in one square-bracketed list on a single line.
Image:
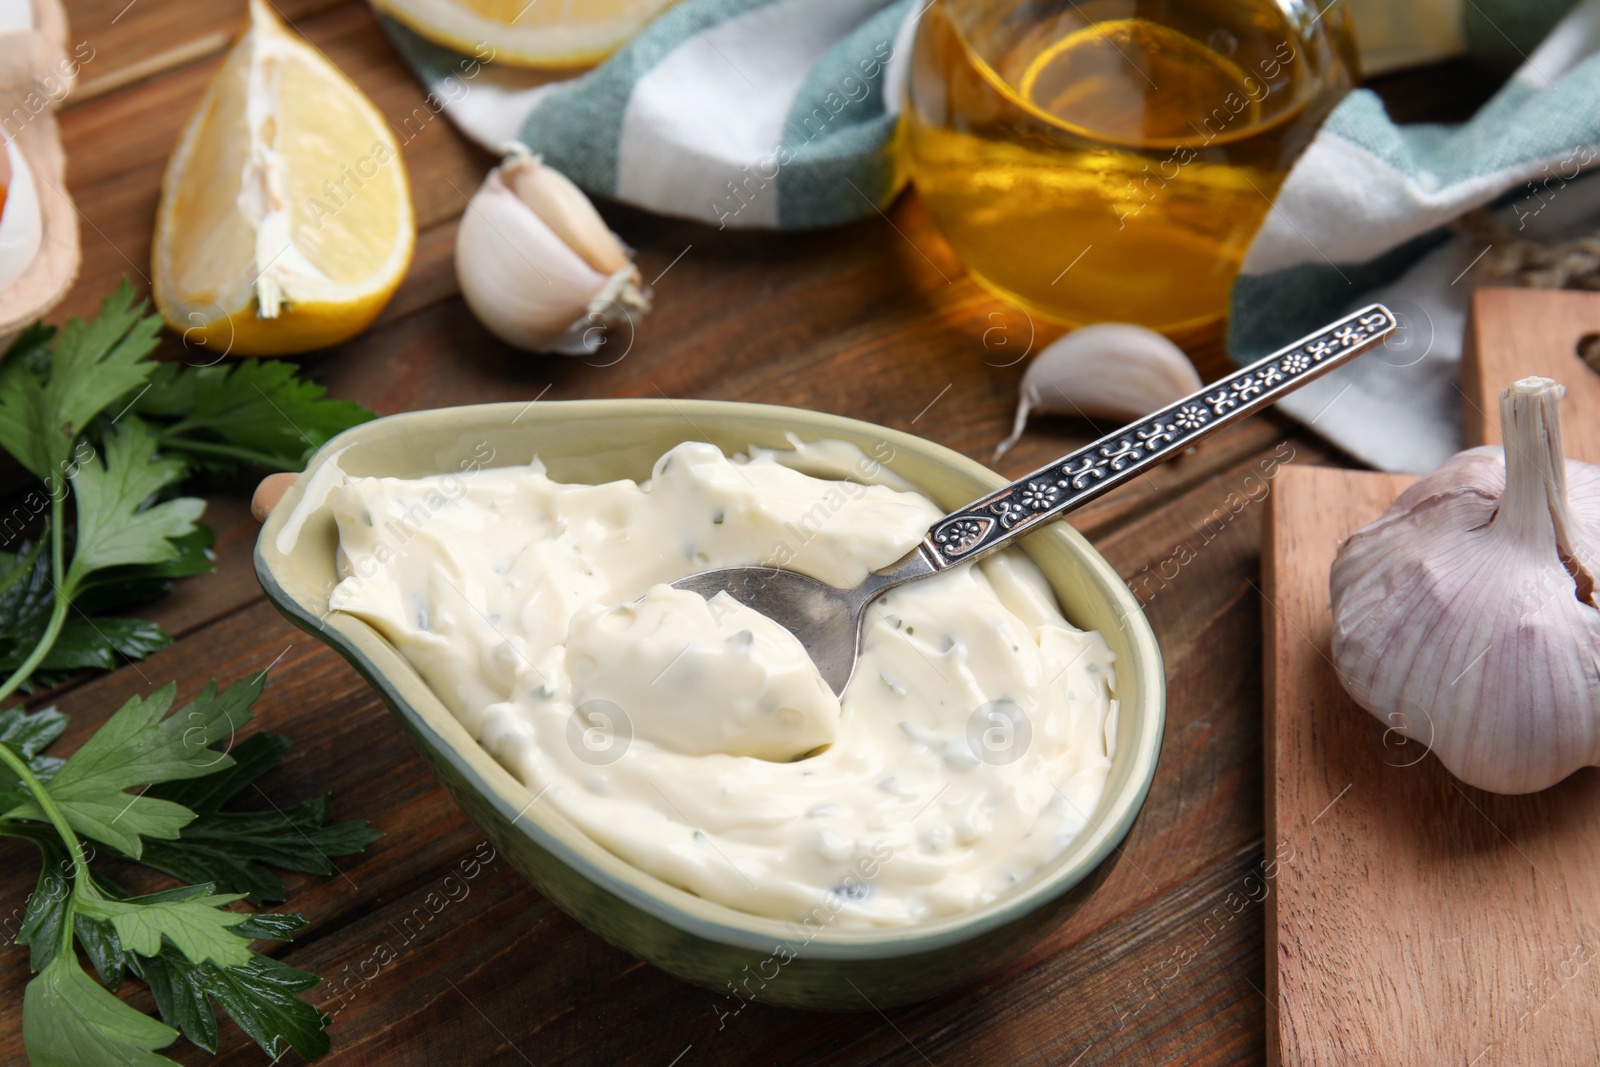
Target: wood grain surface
[(1416, 919), (1515, 333), (875, 320)]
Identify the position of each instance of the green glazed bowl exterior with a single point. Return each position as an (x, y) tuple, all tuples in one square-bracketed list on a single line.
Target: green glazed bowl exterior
[(743, 957)]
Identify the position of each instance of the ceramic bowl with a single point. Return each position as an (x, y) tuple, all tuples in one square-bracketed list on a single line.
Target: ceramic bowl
[(742, 956)]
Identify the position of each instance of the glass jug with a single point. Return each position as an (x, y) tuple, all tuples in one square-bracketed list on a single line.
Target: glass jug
[(1110, 160)]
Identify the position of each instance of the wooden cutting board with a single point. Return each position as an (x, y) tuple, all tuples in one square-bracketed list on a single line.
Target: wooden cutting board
[(1411, 919), (1513, 333)]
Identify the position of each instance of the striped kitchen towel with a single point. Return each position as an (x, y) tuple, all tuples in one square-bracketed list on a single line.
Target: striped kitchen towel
[(738, 113), (1366, 214)]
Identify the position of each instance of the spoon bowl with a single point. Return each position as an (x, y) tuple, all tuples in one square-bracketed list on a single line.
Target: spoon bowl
[(825, 618)]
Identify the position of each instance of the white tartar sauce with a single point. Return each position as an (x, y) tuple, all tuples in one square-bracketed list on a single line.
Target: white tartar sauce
[(695, 739)]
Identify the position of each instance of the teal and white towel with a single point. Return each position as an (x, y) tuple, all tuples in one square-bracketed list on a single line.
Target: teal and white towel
[(1365, 214), (780, 114), (738, 113)]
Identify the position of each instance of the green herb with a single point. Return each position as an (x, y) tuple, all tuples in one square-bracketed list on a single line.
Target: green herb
[(255, 412), (28, 735), (262, 996), (232, 848), (90, 638), (89, 413), (186, 943), (48, 394), (111, 435)]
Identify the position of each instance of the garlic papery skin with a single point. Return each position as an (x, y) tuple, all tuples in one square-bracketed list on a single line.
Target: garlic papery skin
[(538, 266), (1110, 370), (1465, 617)]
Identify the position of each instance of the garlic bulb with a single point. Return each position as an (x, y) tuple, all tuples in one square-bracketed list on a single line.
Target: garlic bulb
[(1465, 617), (537, 264), (1110, 370)]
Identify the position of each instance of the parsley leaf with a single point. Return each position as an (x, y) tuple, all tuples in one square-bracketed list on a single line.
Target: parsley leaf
[(230, 848), (90, 365), (196, 923), (86, 407), (252, 757), (69, 1020), (86, 644), (181, 1002), (31, 348), (261, 996), (258, 992), (115, 528), (27, 596), (49, 906), (104, 949), (138, 746), (184, 943), (18, 573), (117, 588), (26, 736), (255, 412), (88, 639), (28, 733)]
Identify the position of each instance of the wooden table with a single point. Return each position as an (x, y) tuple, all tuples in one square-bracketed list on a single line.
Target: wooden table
[(875, 321)]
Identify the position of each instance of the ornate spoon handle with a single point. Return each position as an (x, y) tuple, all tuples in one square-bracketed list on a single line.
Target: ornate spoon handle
[(995, 520)]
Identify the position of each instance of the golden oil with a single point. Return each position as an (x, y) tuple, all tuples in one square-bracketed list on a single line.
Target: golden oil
[(1110, 160)]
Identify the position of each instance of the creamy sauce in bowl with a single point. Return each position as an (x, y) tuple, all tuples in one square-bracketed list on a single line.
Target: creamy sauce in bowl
[(694, 739)]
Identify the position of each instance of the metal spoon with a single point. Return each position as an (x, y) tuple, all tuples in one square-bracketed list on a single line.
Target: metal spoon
[(828, 620)]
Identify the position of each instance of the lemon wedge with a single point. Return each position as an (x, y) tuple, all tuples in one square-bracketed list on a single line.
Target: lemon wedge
[(528, 33), (285, 221)]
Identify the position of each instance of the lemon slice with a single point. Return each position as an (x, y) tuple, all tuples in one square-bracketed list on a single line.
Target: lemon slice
[(285, 221), (528, 33)]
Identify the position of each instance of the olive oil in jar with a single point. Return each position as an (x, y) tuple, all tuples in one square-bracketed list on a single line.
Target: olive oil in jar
[(1110, 160)]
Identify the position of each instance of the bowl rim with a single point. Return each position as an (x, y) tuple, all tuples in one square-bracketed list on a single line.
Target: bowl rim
[(679, 908)]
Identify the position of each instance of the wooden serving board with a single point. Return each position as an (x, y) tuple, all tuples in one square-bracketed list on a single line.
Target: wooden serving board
[(1412, 919)]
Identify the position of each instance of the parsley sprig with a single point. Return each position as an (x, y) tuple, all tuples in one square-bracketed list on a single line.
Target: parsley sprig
[(111, 435)]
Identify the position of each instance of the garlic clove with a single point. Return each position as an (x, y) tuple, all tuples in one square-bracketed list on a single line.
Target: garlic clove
[(533, 281), (1465, 618), (536, 285), (562, 206), (21, 221), (1109, 370)]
